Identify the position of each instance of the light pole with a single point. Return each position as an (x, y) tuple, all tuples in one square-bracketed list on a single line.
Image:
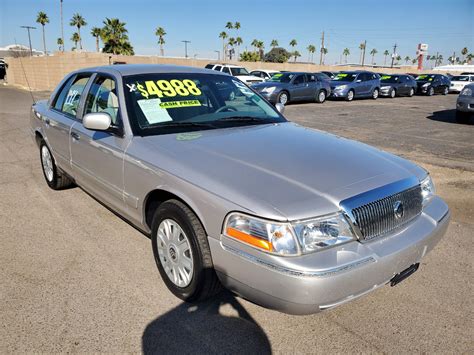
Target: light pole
[(28, 28), (186, 48), (218, 55), (62, 23)]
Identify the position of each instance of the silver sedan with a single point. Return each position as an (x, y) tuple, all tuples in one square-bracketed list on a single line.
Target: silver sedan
[(233, 194)]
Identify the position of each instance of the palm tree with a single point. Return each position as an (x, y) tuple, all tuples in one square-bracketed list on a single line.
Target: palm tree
[(464, 52), (413, 61), (60, 43), (75, 38), (254, 44), (293, 43), (469, 58), (229, 25), (311, 49), (398, 58), (238, 43), (237, 26), (440, 59), (96, 32), (362, 48), (78, 21), (407, 59), (373, 52), (115, 38), (260, 46), (385, 54), (223, 35), (231, 43), (43, 19), (324, 51), (160, 33), (296, 54), (274, 43), (345, 53)]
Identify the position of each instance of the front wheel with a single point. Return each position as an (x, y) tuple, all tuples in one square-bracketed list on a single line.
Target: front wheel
[(182, 252), (445, 90), (283, 98), (350, 95), (55, 178), (393, 93), (321, 97), (375, 94), (411, 92), (430, 91)]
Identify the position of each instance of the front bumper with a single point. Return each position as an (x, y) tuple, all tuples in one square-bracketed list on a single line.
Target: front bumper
[(335, 93), (270, 97), (385, 91), (311, 283), (422, 89), (465, 104)]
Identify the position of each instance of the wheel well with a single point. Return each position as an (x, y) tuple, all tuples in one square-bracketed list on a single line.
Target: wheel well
[(154, 199), (38, 138)]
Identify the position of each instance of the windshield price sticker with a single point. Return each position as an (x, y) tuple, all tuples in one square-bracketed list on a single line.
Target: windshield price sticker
[(168, 88), (342, 75), (277, 75), (385, 77), (178, 104)]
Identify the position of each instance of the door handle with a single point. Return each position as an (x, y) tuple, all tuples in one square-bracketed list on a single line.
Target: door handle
[(75, 136)]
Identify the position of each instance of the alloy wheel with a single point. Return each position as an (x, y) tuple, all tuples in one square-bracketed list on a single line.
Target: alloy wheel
[(47, 162)]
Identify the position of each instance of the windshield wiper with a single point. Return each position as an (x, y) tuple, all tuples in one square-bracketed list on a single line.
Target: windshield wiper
[(246, 119), (181, 124)]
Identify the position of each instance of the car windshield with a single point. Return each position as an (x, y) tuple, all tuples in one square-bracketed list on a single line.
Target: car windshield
[(322, 76), (345, 77), (239, 71), (175, 103), (389, 78), (282, 77), (460, 78), (425, 77)]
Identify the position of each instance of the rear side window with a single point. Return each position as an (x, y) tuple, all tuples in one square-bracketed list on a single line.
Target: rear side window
[(311, 78), (226, 70), (299, 80), (70, 96), (209, 66), (218, 67)]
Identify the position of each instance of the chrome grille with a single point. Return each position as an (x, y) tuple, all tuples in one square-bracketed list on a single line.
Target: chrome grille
[(379, 217)]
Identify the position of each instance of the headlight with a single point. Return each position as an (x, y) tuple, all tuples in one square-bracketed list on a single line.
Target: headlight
[(466, 92), (341, 87), (322, 232), (288, 238), (427, 189), (425, 85), (269, 90)]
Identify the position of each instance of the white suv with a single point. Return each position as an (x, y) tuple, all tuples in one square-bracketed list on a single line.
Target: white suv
[(237, 71)]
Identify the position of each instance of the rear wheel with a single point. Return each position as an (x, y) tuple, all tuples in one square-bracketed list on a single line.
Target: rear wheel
[(321, 96), (55, 178), (393, 93), (182, 252), (445, 90), (411, 92), (350, 95), (283, 98), (462, 117), (375, 94)]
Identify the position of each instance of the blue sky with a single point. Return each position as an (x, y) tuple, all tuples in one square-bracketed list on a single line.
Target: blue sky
[(446, 25)]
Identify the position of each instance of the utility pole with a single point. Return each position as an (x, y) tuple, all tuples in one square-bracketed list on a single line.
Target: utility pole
[(363, 52), (322, 48), (62, 23), (186, 48), (436, 59), (218, 55), (28, 28), (454, 57), (394, 54)]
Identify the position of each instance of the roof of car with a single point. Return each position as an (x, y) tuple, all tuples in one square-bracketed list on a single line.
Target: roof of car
[(134, 69)]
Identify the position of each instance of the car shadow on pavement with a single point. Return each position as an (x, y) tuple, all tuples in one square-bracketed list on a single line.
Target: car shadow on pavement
[(201, 328), (448, 116)]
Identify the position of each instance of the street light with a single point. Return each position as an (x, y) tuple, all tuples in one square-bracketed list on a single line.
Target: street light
[(28, 28), (186, 48), (218, 55)]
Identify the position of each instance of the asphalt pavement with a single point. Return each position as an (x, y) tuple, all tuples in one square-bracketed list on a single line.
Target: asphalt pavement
[(76, 278)]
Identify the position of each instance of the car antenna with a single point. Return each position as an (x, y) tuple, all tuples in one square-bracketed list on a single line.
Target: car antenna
[(26, 78)]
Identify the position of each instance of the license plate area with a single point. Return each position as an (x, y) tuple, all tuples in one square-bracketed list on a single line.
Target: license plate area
[(404, 274)]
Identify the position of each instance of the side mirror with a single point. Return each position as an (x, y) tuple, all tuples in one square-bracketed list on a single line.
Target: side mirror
[(280, 107), (97, 121)]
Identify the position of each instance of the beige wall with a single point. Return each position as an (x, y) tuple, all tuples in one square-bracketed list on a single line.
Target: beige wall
[(44, 73)]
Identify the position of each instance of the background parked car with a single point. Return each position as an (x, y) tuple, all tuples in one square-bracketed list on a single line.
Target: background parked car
[(458, 82), (3, 70), (264, 73), (322, 76), (331, 74), (355, 84), (237, 71), (294, 86), (465, 104), (397, 85), (430, 84)]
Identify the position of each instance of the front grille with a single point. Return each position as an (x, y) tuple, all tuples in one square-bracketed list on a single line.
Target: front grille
[(379, 217)]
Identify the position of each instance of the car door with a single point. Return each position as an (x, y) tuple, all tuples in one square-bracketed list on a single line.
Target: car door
[(298, 87), (61, 118), (402, 86), (360, 87), (314, 84), (97, 156)]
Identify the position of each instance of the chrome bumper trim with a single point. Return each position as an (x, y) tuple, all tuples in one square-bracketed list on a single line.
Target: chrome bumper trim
[(297, 273)]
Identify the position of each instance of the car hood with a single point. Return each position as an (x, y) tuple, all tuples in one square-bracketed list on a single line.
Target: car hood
[(249, 78), (280, 171), (335, 83)]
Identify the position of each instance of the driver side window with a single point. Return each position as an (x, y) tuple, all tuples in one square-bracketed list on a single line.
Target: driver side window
[(102, 97), (298, 80), (69, 98)]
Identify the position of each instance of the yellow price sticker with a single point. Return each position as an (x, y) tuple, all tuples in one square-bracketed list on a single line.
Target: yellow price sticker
[(178, 104), (168, 88)]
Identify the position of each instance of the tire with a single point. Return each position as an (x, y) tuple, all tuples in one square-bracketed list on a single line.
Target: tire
[(202, 282), (55, 178), (321, 96), (445, 90), (430, 91), (411, 92), (375, 94), (462, 117), (283, 98), (393, 93), (350, 95)]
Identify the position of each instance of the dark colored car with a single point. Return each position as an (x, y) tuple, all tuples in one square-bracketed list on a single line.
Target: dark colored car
[(397, 85), (323, 76), (3, 70), (430, 84), (354, 84), (294, 86), (331, 74)]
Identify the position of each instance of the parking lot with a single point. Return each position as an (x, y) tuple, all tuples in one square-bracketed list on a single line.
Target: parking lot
[(75, 278)]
